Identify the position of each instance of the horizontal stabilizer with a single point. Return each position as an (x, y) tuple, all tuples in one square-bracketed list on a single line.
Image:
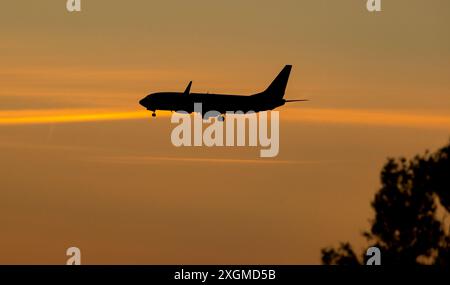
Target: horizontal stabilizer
[(299, 100)]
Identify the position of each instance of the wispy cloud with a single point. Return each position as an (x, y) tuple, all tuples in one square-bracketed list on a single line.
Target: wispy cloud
[(158, 159), (30, 117), (388, 118), (311, 115)]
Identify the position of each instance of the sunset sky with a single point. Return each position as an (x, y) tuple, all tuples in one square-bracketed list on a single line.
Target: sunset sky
[(83, 164)]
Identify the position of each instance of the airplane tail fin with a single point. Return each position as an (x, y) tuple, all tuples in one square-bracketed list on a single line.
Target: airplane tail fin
[(278, 86)]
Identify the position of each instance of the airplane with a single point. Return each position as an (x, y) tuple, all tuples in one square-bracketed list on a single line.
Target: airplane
[(269, 99)]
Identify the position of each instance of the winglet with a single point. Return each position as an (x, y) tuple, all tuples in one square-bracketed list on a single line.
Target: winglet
[(188, 88)]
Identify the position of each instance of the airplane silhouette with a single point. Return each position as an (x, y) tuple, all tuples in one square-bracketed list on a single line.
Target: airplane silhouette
[(269, 99)]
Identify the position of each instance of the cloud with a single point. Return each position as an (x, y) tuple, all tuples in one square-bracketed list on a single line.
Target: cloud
[(309, 115), (31, 117), (386, 118), (156, 159)]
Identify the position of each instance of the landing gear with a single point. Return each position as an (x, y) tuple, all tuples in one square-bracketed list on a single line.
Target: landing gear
[(154, 114)]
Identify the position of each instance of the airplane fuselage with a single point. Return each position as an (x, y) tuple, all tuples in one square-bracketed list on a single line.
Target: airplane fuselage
[(222, 103)]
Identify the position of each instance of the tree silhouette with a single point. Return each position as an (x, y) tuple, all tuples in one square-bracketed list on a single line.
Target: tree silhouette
[(406, 227)]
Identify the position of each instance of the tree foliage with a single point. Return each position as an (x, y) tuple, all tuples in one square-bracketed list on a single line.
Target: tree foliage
[(406, 227)]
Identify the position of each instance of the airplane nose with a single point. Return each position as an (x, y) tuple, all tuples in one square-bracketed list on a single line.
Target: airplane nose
[(142, 102)]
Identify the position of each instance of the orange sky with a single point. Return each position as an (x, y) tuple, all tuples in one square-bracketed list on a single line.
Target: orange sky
[(83, 165)]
